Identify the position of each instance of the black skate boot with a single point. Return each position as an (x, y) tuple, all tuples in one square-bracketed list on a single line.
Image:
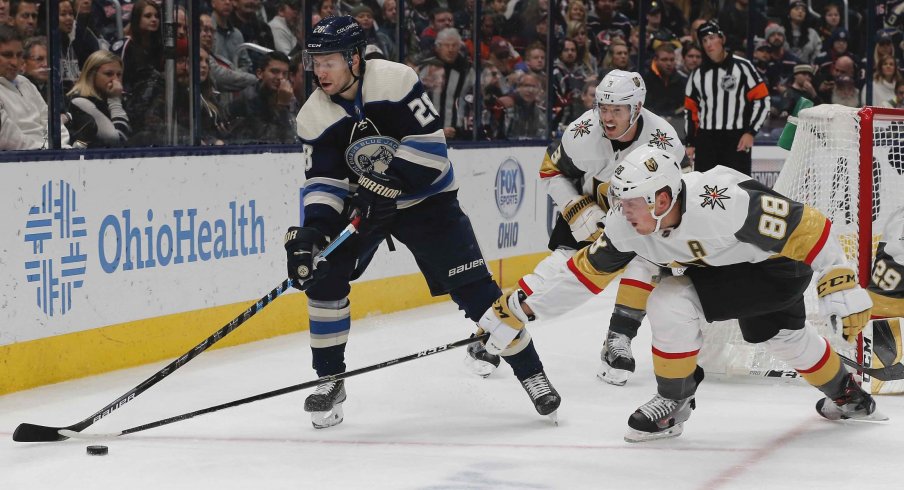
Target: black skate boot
[(618, 361), (545, 398), (325, 404), (659, 418), (479, 361), (853, 404)]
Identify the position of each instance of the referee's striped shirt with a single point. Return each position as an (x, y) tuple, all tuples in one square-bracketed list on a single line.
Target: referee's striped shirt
[(729, 95)]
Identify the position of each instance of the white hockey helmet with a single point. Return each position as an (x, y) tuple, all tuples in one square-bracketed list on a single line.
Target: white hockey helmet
[(621, 87), (641, 174)]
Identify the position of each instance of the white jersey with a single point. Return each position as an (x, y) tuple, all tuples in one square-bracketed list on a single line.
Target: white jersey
[(727, 218), (584, 158), (886, 285)]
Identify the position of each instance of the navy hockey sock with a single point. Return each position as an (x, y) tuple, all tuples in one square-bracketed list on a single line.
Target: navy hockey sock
[(330, 322), (525, 363)]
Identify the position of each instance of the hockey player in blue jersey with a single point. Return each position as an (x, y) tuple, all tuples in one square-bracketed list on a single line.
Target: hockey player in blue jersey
[(373, 146)]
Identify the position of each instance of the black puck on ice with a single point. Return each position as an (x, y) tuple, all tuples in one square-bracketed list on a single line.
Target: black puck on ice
[(98, 450)]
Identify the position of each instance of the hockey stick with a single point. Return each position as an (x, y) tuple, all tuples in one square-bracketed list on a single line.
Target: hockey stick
[(26, 432), (289, 389), (888, 373)]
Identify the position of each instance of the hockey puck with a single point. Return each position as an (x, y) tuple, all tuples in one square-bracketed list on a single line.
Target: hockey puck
[(98, 450)]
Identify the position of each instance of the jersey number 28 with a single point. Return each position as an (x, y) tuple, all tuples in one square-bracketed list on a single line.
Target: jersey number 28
[(423, 110)]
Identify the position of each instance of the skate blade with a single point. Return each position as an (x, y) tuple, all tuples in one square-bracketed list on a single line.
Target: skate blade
[(639, 436), (554, 417), (615, 377), (481, 368), (323, 420), (876, 417)]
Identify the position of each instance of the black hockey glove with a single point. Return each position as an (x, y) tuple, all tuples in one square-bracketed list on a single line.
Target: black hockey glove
[(302, 246), (375, 202)]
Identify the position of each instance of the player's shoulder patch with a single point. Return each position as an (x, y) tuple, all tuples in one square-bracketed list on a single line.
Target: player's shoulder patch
[(660, 133), (582, 127), (394, 82), (317, 115), (716, 191)]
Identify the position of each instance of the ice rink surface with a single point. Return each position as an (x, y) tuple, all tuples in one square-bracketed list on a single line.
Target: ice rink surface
[(429, 424)]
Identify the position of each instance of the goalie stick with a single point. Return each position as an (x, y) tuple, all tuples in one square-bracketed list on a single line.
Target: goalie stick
[(26, 432), (282, 391)]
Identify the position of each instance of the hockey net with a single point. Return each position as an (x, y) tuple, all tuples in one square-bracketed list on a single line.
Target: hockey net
[(848, 163)]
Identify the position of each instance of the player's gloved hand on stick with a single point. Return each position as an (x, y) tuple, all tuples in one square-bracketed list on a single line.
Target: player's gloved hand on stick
[(841, 296), (375, 201), (302, 247), (504, 321)]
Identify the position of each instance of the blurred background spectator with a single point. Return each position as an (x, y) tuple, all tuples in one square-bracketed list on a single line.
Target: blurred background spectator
[(261, 115), (282, 25), (451, 83), (36, 68), (24, 105), (97, 118)]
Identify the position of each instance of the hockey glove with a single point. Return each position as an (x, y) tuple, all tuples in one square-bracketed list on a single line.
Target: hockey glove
[(302, 246), (585, 218), (375, 202), (841, 296), (504, 321)]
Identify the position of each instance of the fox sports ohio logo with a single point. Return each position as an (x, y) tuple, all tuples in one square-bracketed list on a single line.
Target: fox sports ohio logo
[(509, 188), (56, 236)]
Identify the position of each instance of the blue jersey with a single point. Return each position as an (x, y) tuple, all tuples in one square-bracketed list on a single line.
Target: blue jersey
[(391, 127)]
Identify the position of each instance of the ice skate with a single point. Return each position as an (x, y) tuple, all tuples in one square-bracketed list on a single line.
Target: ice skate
[(325, 404), (479, 361), (659, 418), (545, 398), (854, 404), (617, 359)]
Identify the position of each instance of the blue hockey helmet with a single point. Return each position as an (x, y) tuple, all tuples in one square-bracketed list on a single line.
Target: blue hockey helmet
[(340, 34)]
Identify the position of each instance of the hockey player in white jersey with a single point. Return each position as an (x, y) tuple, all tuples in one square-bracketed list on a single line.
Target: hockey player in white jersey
[(749, 254), (576, 170)]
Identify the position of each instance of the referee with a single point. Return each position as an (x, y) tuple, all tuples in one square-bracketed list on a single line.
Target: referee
[(726, 103)]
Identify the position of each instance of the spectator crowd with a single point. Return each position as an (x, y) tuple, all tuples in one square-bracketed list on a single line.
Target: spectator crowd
[(506, 75)]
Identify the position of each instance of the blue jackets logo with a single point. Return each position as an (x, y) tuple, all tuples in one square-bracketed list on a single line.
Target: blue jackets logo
[(371, 153), (57, 235), (509, 188)]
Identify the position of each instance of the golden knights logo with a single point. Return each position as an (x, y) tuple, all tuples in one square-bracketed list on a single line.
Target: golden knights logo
[(660, 140), (581, 128), (369, 150), (713, 196), (651, 164)]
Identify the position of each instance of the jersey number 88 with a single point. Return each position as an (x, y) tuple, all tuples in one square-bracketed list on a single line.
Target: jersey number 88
[(772, 221)]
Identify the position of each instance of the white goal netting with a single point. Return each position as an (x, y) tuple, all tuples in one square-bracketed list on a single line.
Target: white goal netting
[(832, 146)]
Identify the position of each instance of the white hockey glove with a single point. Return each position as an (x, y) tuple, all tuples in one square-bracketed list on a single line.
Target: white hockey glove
[(504, 321), (585, 218), (841, 296)]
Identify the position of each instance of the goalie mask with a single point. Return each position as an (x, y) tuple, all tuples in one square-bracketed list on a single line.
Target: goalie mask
[(622, 88), (638, 178)]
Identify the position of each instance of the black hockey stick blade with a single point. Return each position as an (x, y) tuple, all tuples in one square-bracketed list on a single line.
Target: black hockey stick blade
[(26, 432), (289, 389), (888, 373)]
